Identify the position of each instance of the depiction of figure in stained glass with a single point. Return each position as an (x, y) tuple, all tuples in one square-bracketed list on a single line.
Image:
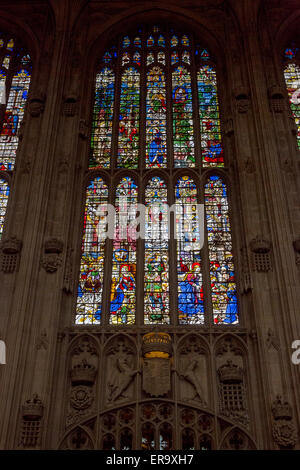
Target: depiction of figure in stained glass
[(212, 150), (156, 284), (89, 296), (190, 289), (122, 305), (156, 118), (12, 118), (129, 119), (183, 140), (223, 286), (102, 122), (292, 79)]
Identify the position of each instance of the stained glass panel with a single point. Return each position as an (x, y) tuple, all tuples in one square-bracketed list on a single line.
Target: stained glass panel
[(150, 41), (185, 41), (174, 57), (150, 58), (123, 288), (12, 118), (137, 58), (126, 42), (161, 58), (129, 119), (183, 139), (90, 287), (222, 275), (125, 58), (137, 42), (211, 144), (189, 272), (4, 193), (174, 41), (156, 147), (156, 276), (161, 41), (292, 79), (102, 119)]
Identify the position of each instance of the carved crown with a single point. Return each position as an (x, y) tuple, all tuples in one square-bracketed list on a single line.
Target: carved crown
[(83, 373), (281, 409), (33, 408), (230, 373), (241, 92), (259, 245), (276, 92), (155, 343), (53, 245), (11, 245)]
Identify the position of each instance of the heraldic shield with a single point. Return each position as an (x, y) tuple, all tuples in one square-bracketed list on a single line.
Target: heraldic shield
[(156, 376)]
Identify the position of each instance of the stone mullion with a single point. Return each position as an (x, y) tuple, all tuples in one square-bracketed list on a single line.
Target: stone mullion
[(140, 243), (205, 263), (32, 244), (279, 226), (193, 69)]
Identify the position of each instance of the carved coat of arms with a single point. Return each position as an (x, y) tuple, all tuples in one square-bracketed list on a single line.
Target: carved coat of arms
[(156, 376)]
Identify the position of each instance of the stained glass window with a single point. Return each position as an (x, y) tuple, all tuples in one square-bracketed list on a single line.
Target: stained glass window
[(129, 119), (212, 150), (4, 193), (292, 79), (183, 139), (123, 287), (189, 272), (15, 77), (222, 276), (156, 276), (102, 119), (90, 287), (15, 73), (156, 110), (156, 146)]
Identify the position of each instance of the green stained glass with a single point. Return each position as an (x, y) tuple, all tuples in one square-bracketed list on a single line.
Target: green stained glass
[(183, 139), (129, 119), (102, 119)]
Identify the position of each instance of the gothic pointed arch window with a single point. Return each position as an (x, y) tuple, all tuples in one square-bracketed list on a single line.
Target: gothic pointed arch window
[(15, 76), (292, 80), (156, 141)]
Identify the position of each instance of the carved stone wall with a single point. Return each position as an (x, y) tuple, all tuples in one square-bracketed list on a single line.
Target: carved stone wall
[(95, 387)]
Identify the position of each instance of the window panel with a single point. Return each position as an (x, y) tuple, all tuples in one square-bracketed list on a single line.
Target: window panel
[(156, 145), (189, 275), (90, 287), (102, 119), (212, 150), (222, 276), (183, 139), (123, 292), (156, 276), (129, 119), (292, 79)]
